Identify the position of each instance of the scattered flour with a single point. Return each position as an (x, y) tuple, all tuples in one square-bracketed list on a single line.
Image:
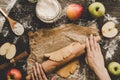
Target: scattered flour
[(2, 20), (111, 47)]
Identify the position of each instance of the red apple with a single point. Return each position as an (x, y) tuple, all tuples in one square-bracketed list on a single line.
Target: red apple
[(74, 11), (15, 73)]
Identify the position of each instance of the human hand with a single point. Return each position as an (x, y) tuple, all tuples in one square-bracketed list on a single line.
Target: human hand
[(94, 56), (95, 59), (38, 73)]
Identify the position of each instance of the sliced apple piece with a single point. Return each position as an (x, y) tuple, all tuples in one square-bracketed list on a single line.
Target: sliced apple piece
[(11, 52), (8, 50), (4, 48), (109, 30)]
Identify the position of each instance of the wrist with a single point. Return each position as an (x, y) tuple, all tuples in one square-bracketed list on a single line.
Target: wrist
[(102, 73)]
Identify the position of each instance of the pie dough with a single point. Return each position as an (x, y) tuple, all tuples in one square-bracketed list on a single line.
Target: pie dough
[(68, 69)]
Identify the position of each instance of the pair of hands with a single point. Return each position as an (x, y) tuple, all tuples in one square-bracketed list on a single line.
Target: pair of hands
[(94, 59)]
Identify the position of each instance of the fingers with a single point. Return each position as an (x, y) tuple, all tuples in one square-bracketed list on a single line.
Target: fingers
[(91, 42), (95, 43), (35, 73), (32, 75), (92, 46), (38, 73), (42, 73), (87, 45), (98, 48)]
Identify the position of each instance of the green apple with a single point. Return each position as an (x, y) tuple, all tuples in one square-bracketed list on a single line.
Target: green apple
[(114, 68), (97, 9)]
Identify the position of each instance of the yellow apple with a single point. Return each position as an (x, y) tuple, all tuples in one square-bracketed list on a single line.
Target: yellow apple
[(109, 30)]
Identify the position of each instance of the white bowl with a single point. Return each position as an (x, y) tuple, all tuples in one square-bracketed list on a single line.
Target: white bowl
[(48, 10)]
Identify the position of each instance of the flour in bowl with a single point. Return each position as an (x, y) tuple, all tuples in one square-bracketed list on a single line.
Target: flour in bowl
[(47, 10), (18, 29)]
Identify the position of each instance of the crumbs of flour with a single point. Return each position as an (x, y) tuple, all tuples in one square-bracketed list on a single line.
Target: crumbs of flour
[(111, 47)]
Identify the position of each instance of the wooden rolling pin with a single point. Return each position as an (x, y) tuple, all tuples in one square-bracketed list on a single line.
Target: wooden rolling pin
[(50, 65), (15, 59), (77, 49)]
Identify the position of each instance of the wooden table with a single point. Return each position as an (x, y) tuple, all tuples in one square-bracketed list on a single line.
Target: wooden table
[(24, 12)]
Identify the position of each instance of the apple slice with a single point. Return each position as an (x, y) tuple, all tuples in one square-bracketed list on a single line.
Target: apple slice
[(4, 48), (109, 30), (11, 51), (8, 49)]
